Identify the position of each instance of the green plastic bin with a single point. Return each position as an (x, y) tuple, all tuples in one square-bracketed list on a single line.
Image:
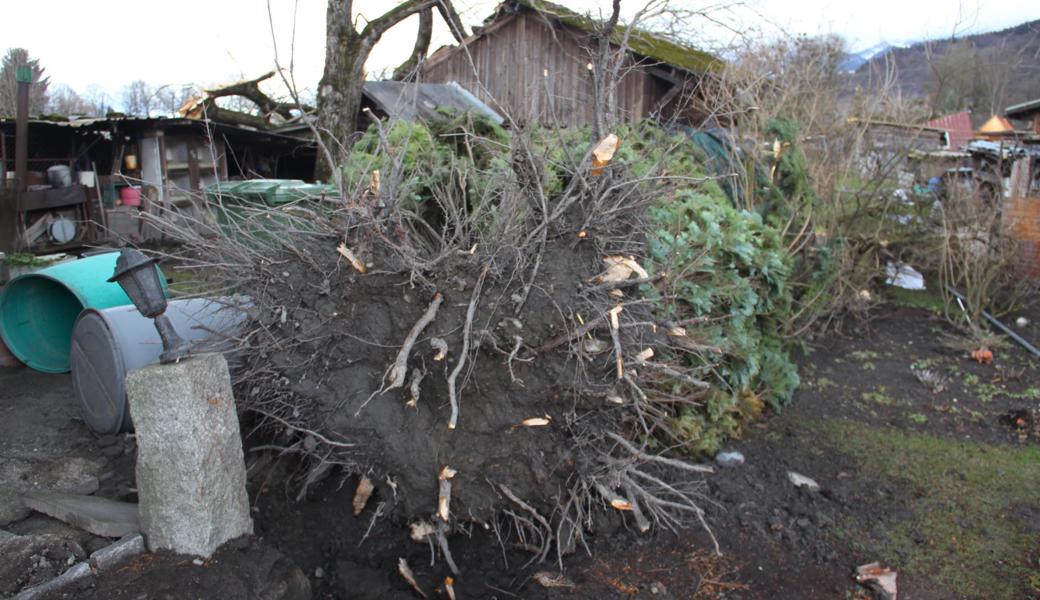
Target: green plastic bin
[(236, 204), (38, 310)]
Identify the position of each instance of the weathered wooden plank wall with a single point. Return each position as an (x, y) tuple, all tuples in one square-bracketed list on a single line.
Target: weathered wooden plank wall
[(535, 69)]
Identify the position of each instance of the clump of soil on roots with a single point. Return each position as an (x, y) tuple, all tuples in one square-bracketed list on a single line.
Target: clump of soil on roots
[(341, 341), (503, 387)]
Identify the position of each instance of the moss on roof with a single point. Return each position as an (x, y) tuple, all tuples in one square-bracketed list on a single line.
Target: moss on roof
[(640, 41)]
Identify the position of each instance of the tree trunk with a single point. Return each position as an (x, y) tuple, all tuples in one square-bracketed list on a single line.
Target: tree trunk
[(346, 50), (339, 96)]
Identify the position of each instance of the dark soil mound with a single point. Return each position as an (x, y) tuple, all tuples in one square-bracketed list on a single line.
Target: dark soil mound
[(541, 402), (242, 569), (342, 334)]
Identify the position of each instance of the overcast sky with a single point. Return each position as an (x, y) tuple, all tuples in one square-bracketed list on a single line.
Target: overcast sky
[(109, 43)]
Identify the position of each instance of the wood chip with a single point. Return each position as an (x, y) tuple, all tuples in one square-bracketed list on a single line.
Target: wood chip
[(631, 263), (552, 580), (364, 490), (420, 530), (375, 182), (444, 493), (614, 312), (646, 354), (617, 270), (354, 261), (406, 572), (537, 421), (615, 400), (604, 152), (620, 268), (414, 388), (621, 504), (441, 347), (677, 332)]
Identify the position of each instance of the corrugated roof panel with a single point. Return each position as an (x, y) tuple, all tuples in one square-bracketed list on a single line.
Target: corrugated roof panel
[(422, 100)]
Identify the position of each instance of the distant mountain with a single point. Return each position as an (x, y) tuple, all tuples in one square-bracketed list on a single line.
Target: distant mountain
[(855, 60), (985, 72)]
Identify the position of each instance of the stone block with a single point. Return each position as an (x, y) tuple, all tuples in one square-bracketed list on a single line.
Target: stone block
[(191, 477), (117, 553), (106, 518)]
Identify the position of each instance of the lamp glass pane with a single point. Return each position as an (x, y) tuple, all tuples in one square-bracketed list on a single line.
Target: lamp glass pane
[(149, 297)]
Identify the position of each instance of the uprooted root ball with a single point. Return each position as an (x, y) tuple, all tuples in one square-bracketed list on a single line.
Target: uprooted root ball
[(518, 351)]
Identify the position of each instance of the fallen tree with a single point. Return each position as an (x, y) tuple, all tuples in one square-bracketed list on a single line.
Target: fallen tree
[(489, 310)]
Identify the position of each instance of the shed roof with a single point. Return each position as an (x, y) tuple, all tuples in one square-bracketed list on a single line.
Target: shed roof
[(423, 100), (102, 124), (957, 126), (996, 125), (1023, 110)]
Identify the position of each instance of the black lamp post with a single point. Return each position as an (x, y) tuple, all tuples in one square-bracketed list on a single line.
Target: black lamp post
[(137, 275)]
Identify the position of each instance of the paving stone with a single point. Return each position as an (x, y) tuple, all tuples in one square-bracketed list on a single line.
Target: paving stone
[(99, 516)]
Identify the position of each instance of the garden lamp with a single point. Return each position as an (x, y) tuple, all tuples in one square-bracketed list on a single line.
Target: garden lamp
[(137, 275)]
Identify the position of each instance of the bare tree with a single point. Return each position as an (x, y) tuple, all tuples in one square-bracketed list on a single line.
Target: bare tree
[(350, 39), (66, 101), (170, 98), (139, 98), (99, 99)]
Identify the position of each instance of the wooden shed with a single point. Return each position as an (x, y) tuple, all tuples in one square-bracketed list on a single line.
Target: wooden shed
[(533, 61)]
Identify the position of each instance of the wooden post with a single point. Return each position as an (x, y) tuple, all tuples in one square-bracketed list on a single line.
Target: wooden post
[(21, 128)]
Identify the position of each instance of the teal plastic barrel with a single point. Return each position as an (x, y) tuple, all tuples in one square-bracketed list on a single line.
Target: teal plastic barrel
[(38, 310)]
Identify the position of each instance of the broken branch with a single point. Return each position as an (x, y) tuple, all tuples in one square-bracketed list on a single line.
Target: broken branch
[(614, 326)]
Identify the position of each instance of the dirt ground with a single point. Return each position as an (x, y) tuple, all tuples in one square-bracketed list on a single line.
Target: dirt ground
[(927, 462)]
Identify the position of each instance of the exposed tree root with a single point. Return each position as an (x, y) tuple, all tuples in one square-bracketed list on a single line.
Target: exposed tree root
[(471, 312), (395, 375)]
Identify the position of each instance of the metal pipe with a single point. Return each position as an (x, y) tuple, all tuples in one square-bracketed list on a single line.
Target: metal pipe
[(1021, 341), (23, 75)]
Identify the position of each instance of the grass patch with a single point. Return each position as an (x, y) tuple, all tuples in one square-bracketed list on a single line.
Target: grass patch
[(23, 260), (918, 418), (880, 396), (988, 391), (963, 533), (930, 300)]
